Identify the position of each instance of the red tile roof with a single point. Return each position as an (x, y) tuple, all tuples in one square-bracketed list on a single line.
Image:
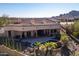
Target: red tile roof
[(31, 21)]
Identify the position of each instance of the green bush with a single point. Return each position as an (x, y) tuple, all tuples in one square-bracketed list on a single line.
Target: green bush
[(75, 28), (76, 34), (64, 37)]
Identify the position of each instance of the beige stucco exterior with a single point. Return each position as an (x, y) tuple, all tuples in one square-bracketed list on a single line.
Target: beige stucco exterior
[(29, 25)]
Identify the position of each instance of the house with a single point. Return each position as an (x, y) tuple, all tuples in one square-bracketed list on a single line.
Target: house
[(31, 29)]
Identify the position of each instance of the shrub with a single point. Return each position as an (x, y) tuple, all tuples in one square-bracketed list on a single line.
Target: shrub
[(75, 28), (64, 38), (75, 34)]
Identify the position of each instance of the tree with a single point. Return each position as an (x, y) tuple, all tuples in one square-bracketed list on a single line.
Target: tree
[(64, 38), (4, 20), (37, 43), (42, 49), (51, 44), (36, 48), (75, 28), (75, 34)]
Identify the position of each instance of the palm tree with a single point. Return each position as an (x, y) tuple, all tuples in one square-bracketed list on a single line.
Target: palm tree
[(53, 45), (50, 46), (42, 49), (37, 43), (36, 50)]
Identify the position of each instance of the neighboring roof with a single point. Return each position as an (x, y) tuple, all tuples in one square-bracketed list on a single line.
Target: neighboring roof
[(54, 19)]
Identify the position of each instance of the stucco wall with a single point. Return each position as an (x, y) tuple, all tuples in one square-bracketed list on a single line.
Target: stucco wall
[(30, 28)]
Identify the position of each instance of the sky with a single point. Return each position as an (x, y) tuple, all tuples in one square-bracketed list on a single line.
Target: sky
[(36, 9)]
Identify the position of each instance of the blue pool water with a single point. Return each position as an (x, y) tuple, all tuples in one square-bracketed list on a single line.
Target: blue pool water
[(42, 39)]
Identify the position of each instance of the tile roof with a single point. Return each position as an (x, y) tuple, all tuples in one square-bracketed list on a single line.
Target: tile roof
[(31, 22)]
